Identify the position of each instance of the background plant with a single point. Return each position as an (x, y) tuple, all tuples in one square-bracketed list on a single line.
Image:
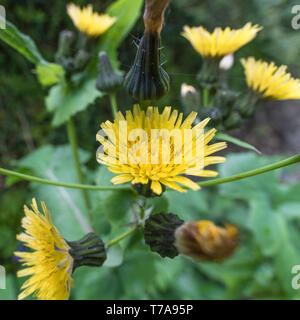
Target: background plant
[(259, 269)]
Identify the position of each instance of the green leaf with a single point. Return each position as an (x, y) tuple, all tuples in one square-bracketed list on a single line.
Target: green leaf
[(114, 256), (67, 102), (21, 42), (238, 142), (191, 205), (50, 73), (127, 13), (66, 205)]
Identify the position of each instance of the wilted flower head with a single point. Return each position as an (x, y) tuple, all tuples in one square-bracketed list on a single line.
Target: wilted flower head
[(88, 22), (146, 147), (220, 42), (50, 264), (204, 241), (269, 81)]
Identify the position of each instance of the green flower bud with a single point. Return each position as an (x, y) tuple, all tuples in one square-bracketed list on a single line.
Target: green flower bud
[(233, 121), (81, 59), (159, 233), (65, 42), (209, 73), (108, 79), (246, 104), (88, 251), (147, 80)]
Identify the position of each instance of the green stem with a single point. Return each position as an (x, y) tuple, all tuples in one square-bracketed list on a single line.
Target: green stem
[(205, 93), (74, 146), (121, 237), (247, 174), (113, 104), (243, 175)]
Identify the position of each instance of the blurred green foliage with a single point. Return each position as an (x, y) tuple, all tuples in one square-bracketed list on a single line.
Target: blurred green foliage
[(266, 210)]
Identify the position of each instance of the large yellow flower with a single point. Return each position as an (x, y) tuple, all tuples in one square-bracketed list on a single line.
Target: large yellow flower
[(89, 22), (270, 81), (49, 265), (157, 157), (220, 42)]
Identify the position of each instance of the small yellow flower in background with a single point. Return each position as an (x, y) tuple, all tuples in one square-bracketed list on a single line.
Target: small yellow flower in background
[(89, 22), (204, 241), (269, 81), (220, 42), (49, 265), (134, 161)]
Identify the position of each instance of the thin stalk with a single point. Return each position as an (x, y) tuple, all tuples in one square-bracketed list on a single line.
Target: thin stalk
[(121, 237), (205, 93), (113, 104), (255, 172), (74, 146), (239, 176)]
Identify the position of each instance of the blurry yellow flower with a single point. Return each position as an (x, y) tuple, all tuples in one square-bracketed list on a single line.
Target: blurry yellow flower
[(270, 81), (220, 42), (161, 155), (49, 265), (204, 241), (89, 22)]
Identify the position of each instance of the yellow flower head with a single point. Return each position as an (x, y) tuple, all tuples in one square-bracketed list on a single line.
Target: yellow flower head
[(49, 265), (204, 241), (270, 81), (89, 22), (147, 147), (220, 42)]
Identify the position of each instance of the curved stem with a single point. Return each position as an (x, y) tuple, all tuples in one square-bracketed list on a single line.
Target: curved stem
[(247, 174), (113, 104), (27, 177), (121, 237), (74, 146), (243, 175)]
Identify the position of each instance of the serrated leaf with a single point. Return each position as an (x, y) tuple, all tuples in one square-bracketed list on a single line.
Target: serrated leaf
[(49, 74), (67, 102)]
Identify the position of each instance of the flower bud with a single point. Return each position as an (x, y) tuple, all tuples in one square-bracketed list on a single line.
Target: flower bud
[(108, 79), (88, 251), (65, 41), (147, 80), (204, 241), (209, 73), (226, 62), (190, 98), (81, 59), (246, 104), (159, 233)]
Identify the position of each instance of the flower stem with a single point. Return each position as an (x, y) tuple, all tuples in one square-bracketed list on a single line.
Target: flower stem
[(121, 237), (247, 174), (205, 94), (74, 146), (239, 176), (113, 104)]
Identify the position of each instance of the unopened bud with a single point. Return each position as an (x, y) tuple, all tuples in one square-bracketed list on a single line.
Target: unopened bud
[(227, 62), (159, 233), (190, 98), (81, 59), (108, 79), (147, 80), (65, 41), (204, 241)]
